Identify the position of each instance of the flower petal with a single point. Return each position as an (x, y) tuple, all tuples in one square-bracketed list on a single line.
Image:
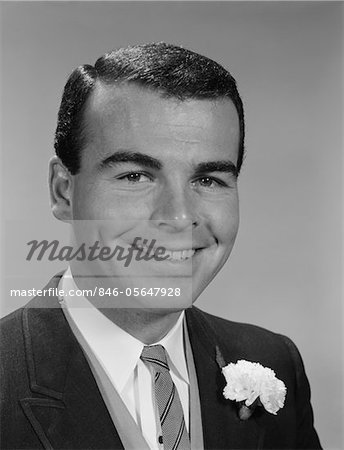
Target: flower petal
[(247, 381)]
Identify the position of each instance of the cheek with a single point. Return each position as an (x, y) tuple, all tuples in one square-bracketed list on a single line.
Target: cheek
[(93, 201), (228, 229), (225, 222)]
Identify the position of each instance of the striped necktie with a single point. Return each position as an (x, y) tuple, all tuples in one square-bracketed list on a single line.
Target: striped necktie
[(174, 433)]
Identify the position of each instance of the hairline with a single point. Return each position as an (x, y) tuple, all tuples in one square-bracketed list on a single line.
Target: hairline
[(85, 139)]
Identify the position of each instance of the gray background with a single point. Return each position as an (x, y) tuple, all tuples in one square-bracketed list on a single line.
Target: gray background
[(285, 270)]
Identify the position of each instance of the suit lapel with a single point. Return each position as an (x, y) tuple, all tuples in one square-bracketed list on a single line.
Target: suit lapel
[(222, 428), (66, 409)]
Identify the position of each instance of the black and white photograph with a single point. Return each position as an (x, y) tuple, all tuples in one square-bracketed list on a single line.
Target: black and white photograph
[(172, 225)]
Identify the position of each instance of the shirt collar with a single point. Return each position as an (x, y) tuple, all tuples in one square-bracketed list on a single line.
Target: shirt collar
[(113, 346), (174, 346)]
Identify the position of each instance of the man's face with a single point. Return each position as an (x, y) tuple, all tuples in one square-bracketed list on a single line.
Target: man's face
[(160, 169)]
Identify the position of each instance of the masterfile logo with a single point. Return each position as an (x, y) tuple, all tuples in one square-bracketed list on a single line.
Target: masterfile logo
[(139, 249)]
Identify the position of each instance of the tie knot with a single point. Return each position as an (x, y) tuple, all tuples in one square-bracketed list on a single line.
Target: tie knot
[(156, 356)]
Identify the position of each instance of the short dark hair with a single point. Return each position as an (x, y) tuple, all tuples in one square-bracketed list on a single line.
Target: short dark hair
[(170, 70)]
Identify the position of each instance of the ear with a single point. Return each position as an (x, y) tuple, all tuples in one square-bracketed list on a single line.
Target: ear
[(60, 186)]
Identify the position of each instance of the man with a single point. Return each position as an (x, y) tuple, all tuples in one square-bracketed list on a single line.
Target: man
[(149, 145)]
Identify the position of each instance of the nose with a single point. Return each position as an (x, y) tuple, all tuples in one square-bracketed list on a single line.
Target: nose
[(176, 209)]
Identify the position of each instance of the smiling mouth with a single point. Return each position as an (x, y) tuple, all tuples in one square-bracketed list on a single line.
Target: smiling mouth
[(172, 255)]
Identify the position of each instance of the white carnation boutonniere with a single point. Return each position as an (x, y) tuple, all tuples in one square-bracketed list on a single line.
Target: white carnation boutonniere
[(251, 384)]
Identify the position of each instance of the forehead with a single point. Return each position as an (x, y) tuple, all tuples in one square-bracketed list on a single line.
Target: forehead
[(129, 115)]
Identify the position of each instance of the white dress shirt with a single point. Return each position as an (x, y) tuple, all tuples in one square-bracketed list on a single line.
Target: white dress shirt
[(119, 353)]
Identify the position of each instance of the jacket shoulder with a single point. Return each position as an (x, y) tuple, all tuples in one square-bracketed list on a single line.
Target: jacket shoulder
[(251, 342), (10, 329), (240, 330)]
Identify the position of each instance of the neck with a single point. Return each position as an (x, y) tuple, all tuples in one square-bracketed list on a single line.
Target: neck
[(146, 325)]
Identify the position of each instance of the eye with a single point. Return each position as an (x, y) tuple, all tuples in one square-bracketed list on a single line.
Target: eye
[(210, 182), (135, 177), (206, 182)]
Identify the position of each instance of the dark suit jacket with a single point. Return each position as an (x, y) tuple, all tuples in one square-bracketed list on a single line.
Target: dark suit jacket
[(50, 398)]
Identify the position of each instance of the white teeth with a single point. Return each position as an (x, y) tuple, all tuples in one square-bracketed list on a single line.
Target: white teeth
[(173, 255), (177, 255), (180, 255), (188, 253)]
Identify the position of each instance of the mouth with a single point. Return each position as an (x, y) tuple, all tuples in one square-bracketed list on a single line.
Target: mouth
[(172, 255)]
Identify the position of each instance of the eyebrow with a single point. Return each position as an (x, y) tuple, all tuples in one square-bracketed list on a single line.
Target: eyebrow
[(152, 163), (134, 157), (217, 166)]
